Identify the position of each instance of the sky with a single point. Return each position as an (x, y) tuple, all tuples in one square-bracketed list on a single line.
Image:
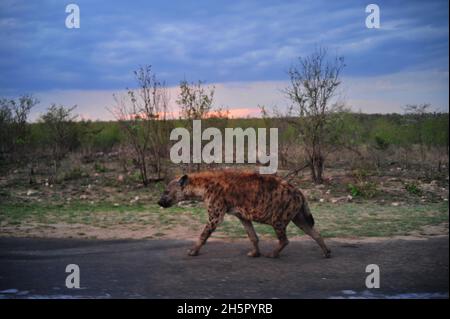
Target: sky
[(243, 48)]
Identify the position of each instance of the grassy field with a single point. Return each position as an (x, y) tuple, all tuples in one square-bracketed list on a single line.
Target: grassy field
[(109, 203), (365, 219)]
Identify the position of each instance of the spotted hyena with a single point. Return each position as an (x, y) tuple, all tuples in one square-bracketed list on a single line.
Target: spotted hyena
[(248, 196)]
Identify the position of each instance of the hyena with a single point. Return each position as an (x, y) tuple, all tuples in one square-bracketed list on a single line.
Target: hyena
[(250, 197)]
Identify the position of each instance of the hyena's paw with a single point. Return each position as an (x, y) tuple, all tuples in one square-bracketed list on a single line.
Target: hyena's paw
[(254, 253), (272, 255), (193, 252), (327, 254)]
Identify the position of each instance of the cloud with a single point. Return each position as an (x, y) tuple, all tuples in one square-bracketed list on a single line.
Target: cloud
[(218, 42), (378, 94)]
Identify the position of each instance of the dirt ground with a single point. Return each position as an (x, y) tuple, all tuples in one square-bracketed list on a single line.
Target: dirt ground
[(35, 268), (178, 232)]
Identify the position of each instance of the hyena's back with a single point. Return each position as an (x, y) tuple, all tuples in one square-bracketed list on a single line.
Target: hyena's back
[(262, 198)]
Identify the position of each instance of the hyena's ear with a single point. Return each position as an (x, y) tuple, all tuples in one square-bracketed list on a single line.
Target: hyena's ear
[(183, 181)]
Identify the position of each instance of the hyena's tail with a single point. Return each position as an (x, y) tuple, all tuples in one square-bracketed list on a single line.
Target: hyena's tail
[(306, 212)]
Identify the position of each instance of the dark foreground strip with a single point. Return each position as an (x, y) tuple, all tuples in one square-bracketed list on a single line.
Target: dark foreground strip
[(224, 308)]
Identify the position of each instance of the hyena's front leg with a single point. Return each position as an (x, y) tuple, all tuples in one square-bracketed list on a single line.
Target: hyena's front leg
[(215, 218), (280, 231), (252, 236)]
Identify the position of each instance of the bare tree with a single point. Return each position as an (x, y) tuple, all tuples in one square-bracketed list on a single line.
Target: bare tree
[(142, 114), (195, 103), (313, 90), (15, 134), (194, 100), (417, 109), (14, 131)]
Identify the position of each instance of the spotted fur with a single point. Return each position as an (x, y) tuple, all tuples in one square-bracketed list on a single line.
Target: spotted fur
[(250, 197)]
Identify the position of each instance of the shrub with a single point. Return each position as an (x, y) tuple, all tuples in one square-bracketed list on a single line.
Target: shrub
[(363, 186), (381, 144), (354, 190), (99, 167), (413, 188), (107, 138), (74, 173), (366, 189)]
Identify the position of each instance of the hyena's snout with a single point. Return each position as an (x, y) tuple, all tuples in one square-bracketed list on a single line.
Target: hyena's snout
[(165, 202)]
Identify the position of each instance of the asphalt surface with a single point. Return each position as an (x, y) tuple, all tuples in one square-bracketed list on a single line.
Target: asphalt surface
[(35, 268)]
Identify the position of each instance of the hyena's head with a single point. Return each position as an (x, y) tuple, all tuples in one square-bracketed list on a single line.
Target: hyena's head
[(175, 192)]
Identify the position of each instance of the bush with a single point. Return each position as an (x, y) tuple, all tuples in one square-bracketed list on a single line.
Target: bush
[(99, 167), (381, 144), (366, 189), (354, 190), (107, 138), (363, 186), (413, 188), (74, 173)]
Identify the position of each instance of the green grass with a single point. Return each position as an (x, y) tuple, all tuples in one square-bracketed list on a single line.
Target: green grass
[(370, 219), (357, 220), (365, 219)]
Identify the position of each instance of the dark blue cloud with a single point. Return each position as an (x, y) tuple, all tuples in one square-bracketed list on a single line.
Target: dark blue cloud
[(216, 41)]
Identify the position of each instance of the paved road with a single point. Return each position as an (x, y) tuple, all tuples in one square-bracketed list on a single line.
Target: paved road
[(35, 268)]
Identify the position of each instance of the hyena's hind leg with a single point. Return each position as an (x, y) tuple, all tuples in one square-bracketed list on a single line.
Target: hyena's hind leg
[(280, 231), (301, 222), (252, 236)]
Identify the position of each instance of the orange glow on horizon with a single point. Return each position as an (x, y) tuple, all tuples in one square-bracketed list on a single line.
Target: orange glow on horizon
[(229, 113)]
